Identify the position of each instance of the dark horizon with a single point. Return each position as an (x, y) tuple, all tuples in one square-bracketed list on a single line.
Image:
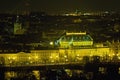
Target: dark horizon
[(61, 6)]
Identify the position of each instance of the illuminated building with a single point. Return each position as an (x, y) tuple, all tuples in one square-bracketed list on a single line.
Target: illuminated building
[(75, 40), (18, 29), (60, 56), (73, 51)]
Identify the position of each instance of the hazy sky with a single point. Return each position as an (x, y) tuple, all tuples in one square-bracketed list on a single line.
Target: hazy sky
[(60, 5)]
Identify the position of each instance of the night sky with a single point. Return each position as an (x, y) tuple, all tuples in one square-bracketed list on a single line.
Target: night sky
[(56, 6)]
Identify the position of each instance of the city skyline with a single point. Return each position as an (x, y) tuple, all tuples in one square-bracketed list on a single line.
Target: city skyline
[(61, 6)]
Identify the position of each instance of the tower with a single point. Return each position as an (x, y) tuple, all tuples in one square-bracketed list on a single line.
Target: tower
[(18, 26)]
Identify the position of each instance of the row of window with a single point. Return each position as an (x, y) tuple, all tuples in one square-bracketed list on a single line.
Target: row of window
[(76, 38)]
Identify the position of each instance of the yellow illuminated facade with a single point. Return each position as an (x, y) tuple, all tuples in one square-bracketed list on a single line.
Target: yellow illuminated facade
[(61, 56)]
